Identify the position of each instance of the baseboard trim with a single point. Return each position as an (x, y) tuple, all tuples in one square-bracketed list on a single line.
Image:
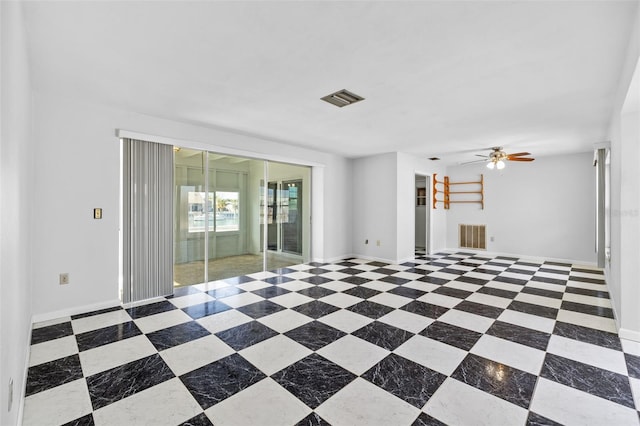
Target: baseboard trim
[(625, 333), (525, 256), (23, 388), (47, 316)]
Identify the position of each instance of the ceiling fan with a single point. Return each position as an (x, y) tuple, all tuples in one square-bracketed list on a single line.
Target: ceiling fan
[(497, 158)]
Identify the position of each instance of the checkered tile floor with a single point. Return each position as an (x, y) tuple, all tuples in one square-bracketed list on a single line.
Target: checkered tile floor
[(452, 338)]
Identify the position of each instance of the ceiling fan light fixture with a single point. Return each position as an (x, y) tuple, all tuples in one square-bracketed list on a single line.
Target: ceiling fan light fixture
[(491, 165), (500, 164)]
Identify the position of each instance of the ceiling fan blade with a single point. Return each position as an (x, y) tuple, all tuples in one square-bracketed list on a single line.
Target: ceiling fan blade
[(518, 154), (483, 156), (520, 159), (473, 162)]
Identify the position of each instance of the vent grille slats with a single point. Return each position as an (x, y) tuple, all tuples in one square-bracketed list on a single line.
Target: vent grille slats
[(473, 236), (342, 98)]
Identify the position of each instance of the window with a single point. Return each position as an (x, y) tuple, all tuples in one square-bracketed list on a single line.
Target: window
[(223, 213)]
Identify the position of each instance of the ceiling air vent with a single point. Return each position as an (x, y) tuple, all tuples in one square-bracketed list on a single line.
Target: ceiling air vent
[(342, 98)]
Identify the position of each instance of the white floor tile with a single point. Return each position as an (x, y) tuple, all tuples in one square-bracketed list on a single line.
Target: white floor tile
[(464, 286), (168, 403), (162, 320), (440, 300), (261, 276), (114, 354), (346, 321), (58, 405), (586, 320), (533, 322), (635, 389), (566, 405), (538, 300), (546, 286), (419, 285), (587, 286), (435, 355), (587, 300), (389, 299), (408, 275), (630, 346), (337, 285), (371, 275), (95, 322), (242, 299), (335, 275), (341, 300), (284, 321), (444, 275), (292, 299), (457, 403), (190, 300), (253, 285), (487, 299), (295, 285), (467, 320), (223, 320), (379, 285), (406, 320), (213, 285), (353, 354), (510, 353), (274, 354), (195, 354), (504, 286), (363, 403), (52, 349), (587, 353), (264, 403), (299, 275)]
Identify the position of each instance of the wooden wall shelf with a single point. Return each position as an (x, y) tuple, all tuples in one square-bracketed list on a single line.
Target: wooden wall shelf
[(446, 192)]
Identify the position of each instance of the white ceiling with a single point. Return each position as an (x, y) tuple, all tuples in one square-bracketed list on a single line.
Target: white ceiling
[(439, 77)]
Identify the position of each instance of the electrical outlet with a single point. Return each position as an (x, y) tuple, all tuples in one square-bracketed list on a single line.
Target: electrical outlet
[(378, 243), (10, 395), (366, 241), (64, 278)]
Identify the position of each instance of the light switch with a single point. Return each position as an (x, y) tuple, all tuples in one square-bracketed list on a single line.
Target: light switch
[(97, 213)]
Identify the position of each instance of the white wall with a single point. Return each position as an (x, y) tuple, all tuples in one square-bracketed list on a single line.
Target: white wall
[(17, 203), (623, 269), (77, 169), (545, 208)]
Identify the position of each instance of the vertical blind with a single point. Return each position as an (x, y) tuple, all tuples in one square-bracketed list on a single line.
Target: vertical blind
[(147, 233)]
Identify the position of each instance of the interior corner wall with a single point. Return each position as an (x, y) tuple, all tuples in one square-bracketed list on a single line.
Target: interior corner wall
[(621, 270), (545, 208), (16, 208), (77, 169)]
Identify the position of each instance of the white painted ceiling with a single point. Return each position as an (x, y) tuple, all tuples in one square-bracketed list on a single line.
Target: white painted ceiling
[(439, 77)]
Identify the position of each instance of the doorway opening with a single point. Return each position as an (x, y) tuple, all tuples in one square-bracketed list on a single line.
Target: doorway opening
[(422, 244)]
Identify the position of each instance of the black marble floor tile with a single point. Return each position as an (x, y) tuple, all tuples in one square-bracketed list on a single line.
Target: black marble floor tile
[(150, 309), (370, 309), (316, 309), (453, 292), (355, 280), (588, 271), (104, 336), (316, 279), (515, 333), (82, 421), (238, 280), (529, 308), (523, 263), (183, 291), (362, 292), (199, 420), (481, 270), (261, 309), (411, 293), (418, 271), (554, 271), (269, 292), (283, 271), (633, 366), (596, 381), (439, 264), (278, 280), (515, 270), (177, 335), (316, 292), (564, 265), (586, 292), (105, 310), (540, 292), (479, 309), (426, 420), (223, 292), (125, 380), (314, 335), (378, 264), (51, 332), (510, 280), (385, 271), (219, 380), (471, 280), (313, 419), (350, 271), (205, 309), (245, 335), (347, 263), (50, 374), (317, 271), (405, 379), (548, 280), (313, 379), (425, 309), (498, 292), (538, 420), (504, 265), (587, 309), (394, 280), (383, 335), (450, 334), (432, 280), (453, 271), (509, 258), (505, 382), (588, 335)]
